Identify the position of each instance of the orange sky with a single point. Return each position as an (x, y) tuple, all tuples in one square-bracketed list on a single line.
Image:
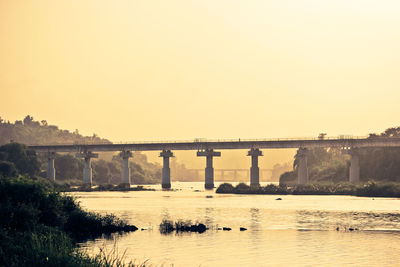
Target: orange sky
[(150, 70)]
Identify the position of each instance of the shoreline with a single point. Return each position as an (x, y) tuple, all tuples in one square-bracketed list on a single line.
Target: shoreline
[(369, 189)]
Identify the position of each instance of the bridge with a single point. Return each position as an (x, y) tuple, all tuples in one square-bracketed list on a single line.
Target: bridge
[(206, 148), (232, 173)]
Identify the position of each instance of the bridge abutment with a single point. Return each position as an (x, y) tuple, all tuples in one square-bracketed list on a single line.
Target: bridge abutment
[(51, 170), (87, 169), (209, 171), (126, 171), (302, 169), (254, 170), (166, 171)]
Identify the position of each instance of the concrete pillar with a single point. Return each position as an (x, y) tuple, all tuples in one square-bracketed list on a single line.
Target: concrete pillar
[(302, 169), (166, 171), (354, 167), (126, 171), (209, 171), (254, 170), (51, 171), (87, 169)]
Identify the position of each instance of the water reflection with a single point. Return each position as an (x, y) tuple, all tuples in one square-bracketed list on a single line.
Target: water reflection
[(254, 219), (209, 217)]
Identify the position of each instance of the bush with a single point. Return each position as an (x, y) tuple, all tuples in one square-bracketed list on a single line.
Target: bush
[(38, 226), (242, 188), (225, 188), (370, 189), (7, 169)]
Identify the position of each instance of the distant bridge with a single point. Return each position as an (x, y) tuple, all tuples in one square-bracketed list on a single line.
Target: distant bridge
[(207, 149), (232, 173)]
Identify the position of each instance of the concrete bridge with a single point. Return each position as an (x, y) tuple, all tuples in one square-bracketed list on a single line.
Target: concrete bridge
[(206, 148)]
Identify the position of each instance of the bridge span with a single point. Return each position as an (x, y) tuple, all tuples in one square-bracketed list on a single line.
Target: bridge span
[(206, 148)]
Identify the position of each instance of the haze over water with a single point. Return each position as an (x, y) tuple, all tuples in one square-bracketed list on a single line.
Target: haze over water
[(294, 231)]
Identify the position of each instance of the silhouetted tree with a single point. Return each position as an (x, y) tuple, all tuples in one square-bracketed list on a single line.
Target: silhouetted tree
[(25, 160)]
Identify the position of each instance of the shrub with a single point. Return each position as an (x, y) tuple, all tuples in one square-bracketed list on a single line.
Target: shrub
[(225, 188), (242, 188)]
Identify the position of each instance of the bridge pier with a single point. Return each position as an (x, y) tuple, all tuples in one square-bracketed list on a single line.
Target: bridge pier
[(87, 169), (254, 170), (166, 171), (302, 169), (354, 171), (209, 171), (51, 171), (126, 171)]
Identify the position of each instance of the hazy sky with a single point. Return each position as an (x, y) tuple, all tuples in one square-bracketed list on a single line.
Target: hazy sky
[(145, 70)]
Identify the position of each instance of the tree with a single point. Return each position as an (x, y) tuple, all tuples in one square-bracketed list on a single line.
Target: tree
[(101, 173), (25, 160), (68, 167), (28, 120), (7, 169)]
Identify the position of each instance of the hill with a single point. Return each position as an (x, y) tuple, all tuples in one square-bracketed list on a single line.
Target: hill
[(106, 170)]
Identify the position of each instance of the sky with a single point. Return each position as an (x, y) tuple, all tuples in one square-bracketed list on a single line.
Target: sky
[(179, 70)]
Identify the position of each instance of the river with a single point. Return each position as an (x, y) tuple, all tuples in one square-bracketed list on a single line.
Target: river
[(294, 231)]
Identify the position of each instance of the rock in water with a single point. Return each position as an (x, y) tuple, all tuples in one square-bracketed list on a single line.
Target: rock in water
[(201, 228)]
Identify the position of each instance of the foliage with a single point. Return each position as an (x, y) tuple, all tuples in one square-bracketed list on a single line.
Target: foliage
[(7, 169), (23, 159), (31, 132), (167, 226), (331, 165), (38, 226), (370, 189), (68, 167), (225, 188)]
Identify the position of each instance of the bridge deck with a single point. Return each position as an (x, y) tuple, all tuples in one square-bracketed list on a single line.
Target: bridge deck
[(228, 144)]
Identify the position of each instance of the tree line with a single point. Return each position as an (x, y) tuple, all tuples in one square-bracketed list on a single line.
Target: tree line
[(15, 158), (332, 165)]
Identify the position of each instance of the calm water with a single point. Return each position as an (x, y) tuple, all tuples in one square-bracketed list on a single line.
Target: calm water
[(294, 231)]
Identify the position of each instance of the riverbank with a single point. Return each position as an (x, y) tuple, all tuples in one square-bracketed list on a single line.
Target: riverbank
[(41, 227), (369, 189)]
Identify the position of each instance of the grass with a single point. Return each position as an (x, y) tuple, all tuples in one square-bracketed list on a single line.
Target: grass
[(369, 189)]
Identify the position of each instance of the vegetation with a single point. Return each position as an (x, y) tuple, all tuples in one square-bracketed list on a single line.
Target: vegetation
[(167, 226), (106, 170), (38, 225), (369, 189), (332, 165)]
